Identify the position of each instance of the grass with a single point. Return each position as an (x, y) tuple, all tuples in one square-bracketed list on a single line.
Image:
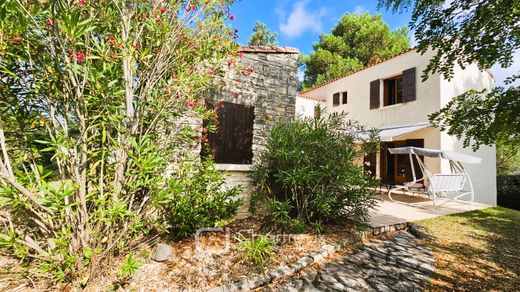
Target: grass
[(476, 251)]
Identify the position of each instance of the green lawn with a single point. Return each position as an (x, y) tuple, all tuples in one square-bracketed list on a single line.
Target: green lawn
[(476, 251)]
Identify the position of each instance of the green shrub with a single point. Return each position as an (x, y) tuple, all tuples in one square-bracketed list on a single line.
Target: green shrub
[(91, 120), (129, 267), (195, 198), (280, 210), (311, 165), (258, 250), (508, 191)]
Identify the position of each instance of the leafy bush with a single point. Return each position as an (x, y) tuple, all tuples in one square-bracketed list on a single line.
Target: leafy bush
[(196, 198), (258, 250), (311, 164), (280, 210), (91, 98), (129, 267), (508, 191)]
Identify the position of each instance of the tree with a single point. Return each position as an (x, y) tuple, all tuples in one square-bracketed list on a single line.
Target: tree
[(263, 36), (96, 85), (464, 32), (358, 40)]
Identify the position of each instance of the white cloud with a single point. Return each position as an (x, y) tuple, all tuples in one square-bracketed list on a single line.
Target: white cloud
[(359, 9), (502, 73), (300, 20), (300, 75)]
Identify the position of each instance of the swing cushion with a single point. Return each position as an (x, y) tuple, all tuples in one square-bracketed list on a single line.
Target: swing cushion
[(448, 182)]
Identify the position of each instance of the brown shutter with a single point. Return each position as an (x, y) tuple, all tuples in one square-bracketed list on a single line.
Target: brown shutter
[(233, 141), (374, 94), (344, 97), (335, 99), (409, 87)]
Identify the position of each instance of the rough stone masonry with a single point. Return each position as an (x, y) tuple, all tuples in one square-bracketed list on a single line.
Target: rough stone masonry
[(266, 79)]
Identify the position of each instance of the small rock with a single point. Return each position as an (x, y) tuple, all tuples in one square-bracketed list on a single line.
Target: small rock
[(161, 253)]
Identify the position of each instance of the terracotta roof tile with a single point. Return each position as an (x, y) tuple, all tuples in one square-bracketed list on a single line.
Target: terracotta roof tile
[(311, 98)]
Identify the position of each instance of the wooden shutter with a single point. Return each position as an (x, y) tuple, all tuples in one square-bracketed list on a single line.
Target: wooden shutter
[(374, 94), (409, 86), (335, 99), (344, 97), (418, 174), (233, 141)]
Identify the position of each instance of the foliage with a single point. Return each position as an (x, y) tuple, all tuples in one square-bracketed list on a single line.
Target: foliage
[(196, 199), (129, 267), (90, 92), (508, 191), (508, 159), (263, 36), (465, 32), (280, 210), (358, 40), (482, 118), (258, 250), (311, 164)]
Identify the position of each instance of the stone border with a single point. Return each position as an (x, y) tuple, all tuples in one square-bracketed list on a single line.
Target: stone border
[(315, 257)]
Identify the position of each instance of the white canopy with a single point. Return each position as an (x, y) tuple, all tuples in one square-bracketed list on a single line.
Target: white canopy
[(449, 155), (389, 133)]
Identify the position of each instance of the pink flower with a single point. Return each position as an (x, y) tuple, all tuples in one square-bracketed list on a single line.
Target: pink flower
[(191, 103), (49, 22), (232, 17), (82, 2), (241, 55), (17, 40), (80, 57)]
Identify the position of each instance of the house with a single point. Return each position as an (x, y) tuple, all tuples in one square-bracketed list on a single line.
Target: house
[(392, 97)]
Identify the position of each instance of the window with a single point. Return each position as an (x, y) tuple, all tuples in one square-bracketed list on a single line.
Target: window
[(233, 141), (335, 99), (344, 98), (393, 90)]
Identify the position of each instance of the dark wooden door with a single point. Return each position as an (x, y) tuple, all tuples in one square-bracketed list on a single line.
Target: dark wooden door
[(397, 168)]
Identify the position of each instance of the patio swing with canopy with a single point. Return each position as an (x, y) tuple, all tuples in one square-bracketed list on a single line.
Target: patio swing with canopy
[(456, 182)]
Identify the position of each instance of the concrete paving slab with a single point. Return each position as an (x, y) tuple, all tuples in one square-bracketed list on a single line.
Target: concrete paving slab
[(389, 212)]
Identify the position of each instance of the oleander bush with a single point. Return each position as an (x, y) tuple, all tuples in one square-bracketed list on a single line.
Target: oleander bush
[(309, 167), (91, 99)]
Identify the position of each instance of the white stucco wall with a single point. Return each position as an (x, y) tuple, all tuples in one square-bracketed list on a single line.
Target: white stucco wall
[(358, 87), (305, 107), (483, 176), (431, 95)]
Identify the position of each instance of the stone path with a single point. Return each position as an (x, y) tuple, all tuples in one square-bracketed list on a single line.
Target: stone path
[(396, 264)]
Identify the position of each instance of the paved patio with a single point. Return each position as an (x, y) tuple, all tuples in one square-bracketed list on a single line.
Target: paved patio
[(389, 213)]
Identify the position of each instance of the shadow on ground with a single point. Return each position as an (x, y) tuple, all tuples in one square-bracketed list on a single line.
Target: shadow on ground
[(477, 250)]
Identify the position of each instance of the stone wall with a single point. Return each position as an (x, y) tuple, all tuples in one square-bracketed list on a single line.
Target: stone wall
[(265, 77)]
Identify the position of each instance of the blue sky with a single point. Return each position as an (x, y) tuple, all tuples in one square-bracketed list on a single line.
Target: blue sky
[(300, 22)]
